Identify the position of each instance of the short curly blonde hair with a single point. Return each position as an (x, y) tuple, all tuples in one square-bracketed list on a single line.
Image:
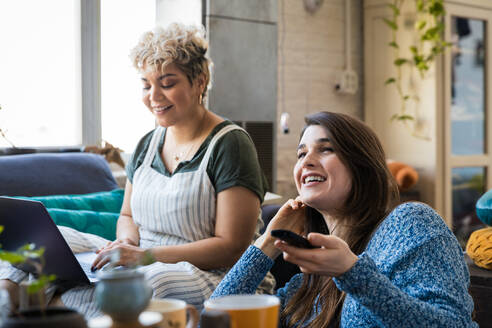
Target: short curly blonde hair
[(182, 45)]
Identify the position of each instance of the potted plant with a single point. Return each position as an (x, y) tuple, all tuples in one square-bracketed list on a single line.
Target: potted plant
[(36, 314)]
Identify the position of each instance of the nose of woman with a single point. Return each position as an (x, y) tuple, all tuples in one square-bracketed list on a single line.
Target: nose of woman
[(156, 94), (309, 159)]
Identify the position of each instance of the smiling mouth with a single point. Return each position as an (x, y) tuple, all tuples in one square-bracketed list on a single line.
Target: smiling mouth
[(162, 108), (313, 178)]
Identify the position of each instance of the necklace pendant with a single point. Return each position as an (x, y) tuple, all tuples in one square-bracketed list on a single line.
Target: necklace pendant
[(176, 158)]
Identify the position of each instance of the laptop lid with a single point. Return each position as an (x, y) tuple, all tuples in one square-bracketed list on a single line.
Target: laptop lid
[(28, 221)]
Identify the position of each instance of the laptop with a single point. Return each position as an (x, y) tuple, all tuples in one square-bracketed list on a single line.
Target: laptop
[(27, 221)]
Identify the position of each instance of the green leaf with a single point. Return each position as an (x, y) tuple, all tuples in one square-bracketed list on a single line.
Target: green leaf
[(27, 247), (401, 117), (394, 117), (422, 66), (432, 33), (406, 98), (414, 50), (405, 117), (12, 258), (390, 80), (420, 5), (38, 284), (393, 44), (400, 61), (34, 287), (436, 9), (1, 227), (419, 25), (396, 10), (391, 23), (29, 251), (417, 59)]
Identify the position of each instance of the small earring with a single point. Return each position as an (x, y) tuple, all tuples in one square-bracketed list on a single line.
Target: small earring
[(200, 99)]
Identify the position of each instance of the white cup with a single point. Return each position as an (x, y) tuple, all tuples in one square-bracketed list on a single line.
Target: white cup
[(174, 312)]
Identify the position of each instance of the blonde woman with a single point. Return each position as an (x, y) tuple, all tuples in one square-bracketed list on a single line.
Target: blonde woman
[(194, 188)]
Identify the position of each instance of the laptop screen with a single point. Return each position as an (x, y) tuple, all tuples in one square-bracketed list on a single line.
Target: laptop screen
[(27, 221)]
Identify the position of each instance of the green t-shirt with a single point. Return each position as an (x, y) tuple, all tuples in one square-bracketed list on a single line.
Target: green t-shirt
[(233, 161)]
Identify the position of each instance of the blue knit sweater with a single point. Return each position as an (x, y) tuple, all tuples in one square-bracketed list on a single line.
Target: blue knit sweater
[(412, 274)]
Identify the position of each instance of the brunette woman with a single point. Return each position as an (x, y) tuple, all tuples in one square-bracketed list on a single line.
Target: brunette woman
[(377, 265)]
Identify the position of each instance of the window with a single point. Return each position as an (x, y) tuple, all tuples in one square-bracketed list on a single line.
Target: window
[(53, 91), (468, 153), (125, 119), (40, 72), (467, 123)]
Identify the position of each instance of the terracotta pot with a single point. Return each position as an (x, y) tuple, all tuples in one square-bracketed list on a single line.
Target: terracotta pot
[(54, 317)]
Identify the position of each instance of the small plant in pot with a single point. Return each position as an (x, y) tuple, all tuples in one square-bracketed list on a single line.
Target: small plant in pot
[(34, 312)]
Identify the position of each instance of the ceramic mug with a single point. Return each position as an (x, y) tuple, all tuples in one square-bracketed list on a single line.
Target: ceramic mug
[(122, 293), (174, 312), (248, 311)]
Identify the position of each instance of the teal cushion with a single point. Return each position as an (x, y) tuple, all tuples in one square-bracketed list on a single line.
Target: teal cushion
[(98, 223), (105, 201), (94, 213), (484, 208)]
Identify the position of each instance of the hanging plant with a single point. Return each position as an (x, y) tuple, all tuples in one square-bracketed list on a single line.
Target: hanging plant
[(428, 30)]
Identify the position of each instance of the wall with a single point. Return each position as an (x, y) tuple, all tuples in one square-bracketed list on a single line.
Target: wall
[(310, 60), (242, 37), (243, 46), (309, 57)]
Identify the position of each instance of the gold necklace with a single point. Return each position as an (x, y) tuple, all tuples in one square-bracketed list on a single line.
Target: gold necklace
[(179, 156)]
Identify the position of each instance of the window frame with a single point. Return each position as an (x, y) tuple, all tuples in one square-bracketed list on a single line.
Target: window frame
[(90, 11), (450, 160)]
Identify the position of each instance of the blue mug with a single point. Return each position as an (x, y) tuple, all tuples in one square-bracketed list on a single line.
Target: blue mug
[(122, 293)]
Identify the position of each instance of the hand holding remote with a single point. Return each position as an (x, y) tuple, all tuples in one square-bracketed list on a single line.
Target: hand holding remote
[(292, 238)]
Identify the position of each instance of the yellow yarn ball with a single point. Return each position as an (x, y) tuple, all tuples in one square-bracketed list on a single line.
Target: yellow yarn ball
[(479, 247)]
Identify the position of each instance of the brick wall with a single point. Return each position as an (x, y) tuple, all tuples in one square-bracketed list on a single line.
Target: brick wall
[(311, 57)]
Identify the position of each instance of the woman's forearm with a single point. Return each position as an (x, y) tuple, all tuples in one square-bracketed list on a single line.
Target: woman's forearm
[(127, 230), (206, 254)]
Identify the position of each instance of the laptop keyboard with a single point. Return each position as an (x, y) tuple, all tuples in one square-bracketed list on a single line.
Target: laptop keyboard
[(87, 269), (85, 260)]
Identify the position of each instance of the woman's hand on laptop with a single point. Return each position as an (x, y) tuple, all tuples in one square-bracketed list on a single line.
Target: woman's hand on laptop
[(127, 255), (118, 241)]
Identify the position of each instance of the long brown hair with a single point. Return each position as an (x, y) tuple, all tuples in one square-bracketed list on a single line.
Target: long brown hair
[(373, 195)]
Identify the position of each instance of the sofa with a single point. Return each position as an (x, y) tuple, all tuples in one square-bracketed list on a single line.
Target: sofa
[(58, 180), (42, 174), (53, 178)]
